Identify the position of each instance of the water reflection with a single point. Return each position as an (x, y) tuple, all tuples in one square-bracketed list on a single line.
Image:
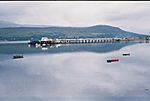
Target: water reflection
[(61, 48), (77, 76), (46, 47)]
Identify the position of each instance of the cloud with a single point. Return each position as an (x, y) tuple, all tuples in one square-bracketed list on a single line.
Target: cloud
[(132, 16)]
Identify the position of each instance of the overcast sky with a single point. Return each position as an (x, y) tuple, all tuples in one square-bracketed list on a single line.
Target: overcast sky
[(131, 16)]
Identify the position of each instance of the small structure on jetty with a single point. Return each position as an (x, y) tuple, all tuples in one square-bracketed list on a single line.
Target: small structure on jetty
[(46, 41)]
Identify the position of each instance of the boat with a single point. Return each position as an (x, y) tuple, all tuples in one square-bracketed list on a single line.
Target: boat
[(112, 60), (17, 56), (126, 54)]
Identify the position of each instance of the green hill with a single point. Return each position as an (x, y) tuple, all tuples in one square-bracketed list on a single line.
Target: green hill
[(98, 31)]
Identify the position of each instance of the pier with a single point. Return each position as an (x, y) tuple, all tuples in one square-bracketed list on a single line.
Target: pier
[(46, 41)]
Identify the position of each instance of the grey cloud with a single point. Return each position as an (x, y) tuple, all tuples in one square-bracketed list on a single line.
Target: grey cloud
[(132, 16), (11, 11)]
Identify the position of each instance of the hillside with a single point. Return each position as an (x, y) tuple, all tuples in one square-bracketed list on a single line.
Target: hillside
[(98, 31)]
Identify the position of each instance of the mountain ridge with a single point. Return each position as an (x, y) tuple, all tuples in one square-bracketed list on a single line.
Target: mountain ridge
[(96, 31)]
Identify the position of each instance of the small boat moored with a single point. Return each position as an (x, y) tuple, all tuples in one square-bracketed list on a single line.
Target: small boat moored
[(17, 56), (112, 60), (126, 54)]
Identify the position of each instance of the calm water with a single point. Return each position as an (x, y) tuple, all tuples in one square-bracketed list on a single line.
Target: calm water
[(75, 73)]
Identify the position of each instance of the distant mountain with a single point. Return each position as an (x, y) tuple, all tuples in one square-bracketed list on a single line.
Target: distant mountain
[(5, 24), (26, 32)]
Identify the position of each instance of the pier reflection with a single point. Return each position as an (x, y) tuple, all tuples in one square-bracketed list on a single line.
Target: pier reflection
[(25, 48), (84, 47), (46, 47)]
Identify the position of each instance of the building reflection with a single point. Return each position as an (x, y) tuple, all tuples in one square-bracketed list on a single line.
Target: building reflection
[(45, 47)]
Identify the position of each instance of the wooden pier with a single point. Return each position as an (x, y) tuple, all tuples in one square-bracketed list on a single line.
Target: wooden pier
[(46, 41)]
